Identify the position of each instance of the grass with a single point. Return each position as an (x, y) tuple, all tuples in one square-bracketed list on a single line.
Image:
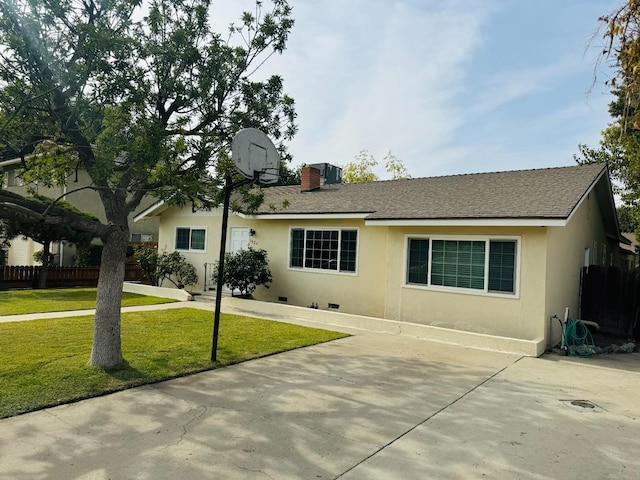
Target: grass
[(44, 362), (18, 302)]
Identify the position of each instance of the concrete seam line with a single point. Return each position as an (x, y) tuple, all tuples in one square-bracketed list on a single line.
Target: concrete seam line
[(427, 419)]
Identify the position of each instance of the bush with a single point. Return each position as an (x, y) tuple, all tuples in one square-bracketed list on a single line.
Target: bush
[(88, 255), (244, 270), (168, 266)]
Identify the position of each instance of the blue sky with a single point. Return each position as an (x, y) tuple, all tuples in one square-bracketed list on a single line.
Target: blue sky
[(448, 86)]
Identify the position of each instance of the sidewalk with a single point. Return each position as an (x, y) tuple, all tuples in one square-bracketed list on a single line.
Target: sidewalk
[(367, 407)]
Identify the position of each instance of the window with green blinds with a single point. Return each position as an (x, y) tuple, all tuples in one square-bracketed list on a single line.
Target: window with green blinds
[(502, 266), (417, 267), (458, 263), (483, 265)]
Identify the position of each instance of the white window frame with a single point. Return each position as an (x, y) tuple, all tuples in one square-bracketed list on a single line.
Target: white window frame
[(323, 270), (191, 229), (467, 291)]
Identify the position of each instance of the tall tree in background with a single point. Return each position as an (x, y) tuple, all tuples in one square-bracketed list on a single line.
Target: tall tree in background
[(620, 143), (145, 98), (361, 169)]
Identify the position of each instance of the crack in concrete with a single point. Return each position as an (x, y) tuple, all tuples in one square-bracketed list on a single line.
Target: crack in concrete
[(195, 418), (423, 422)]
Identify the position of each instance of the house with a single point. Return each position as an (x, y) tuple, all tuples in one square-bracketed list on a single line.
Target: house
[(22, 250), (493, 253), (629, 250)]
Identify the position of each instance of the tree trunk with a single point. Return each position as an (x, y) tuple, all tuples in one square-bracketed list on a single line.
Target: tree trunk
[(44, 270), (107, 350)]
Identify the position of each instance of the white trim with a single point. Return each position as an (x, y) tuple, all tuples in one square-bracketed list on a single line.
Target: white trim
[(191, 228), (466, 222), (148, 210), (467, 291), (13, 161), (323, 270), (303, 216)]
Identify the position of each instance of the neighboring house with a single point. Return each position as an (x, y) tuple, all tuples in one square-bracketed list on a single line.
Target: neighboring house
[(495, 253), (630, 249), (22, 250)]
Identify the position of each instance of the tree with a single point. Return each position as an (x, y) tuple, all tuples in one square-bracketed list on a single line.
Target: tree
[(45, 233), (146, 99), (361, 170), (626, 219), (620, 144), (245, 270)]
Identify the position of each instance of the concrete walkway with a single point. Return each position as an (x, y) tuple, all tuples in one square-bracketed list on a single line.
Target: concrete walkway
[(371, 406)]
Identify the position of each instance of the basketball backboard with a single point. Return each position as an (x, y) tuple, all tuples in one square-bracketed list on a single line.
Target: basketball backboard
[(253, 151)]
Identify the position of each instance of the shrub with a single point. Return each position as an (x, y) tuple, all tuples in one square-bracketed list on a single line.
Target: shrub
[(168, 266), (244, 270)]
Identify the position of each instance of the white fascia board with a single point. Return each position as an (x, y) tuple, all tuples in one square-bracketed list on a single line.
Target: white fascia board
[(149, 211), (303, 216), (469, 222), (6, 163)]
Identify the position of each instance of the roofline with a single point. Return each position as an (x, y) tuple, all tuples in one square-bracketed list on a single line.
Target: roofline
[(586, 194), (302, 216), (148, 211), (468, 222), (13, 161)]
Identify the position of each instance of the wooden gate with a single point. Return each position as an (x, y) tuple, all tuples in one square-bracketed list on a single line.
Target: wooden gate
[(611, 297)]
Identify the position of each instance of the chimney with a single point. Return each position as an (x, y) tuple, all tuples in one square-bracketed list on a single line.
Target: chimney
[(310, 179)]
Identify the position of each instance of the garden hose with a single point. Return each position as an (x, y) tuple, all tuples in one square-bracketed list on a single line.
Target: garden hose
[(578, 339)]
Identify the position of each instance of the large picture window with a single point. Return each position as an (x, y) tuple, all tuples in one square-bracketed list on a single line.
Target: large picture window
[(324, 249), (484, 265), (190, 239)]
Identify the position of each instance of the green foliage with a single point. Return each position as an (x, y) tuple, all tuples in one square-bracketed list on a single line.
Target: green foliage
[(38, 257), (245, 270), (175, 268), (620, 144), (168, 266), (88, 255), (147, 258), (361, 170), (627, 219)]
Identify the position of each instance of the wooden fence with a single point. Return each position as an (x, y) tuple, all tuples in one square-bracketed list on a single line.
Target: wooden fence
[(27, 277), (611, 297)]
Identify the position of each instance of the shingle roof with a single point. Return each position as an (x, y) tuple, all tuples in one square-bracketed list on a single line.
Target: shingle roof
[(550, 193)]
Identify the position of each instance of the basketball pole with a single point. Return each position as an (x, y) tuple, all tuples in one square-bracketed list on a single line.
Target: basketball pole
[(228, 187)]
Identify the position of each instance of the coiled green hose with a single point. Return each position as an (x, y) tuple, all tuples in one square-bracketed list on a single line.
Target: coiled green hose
[(578, 339)]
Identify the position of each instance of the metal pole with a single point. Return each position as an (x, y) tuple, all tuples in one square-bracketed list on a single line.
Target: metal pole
[(223, 244)]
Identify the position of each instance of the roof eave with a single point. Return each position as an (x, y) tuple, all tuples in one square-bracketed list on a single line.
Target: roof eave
[(466, 222)]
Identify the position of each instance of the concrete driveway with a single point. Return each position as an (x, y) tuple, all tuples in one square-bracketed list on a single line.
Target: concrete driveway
[(371, 406)]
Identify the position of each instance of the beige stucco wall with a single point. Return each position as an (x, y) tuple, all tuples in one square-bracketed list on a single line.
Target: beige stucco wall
[(360, 293), (174, 218), (566, 257), (518, 316)]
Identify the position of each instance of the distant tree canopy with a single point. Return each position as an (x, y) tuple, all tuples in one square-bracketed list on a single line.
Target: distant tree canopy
[(361, 169), (620, 144), (626, 219)]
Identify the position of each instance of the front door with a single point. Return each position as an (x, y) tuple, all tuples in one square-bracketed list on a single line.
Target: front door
[(239, 239)]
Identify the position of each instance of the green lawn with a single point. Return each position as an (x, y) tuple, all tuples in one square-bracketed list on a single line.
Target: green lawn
[(17, 302), (44, 362)]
